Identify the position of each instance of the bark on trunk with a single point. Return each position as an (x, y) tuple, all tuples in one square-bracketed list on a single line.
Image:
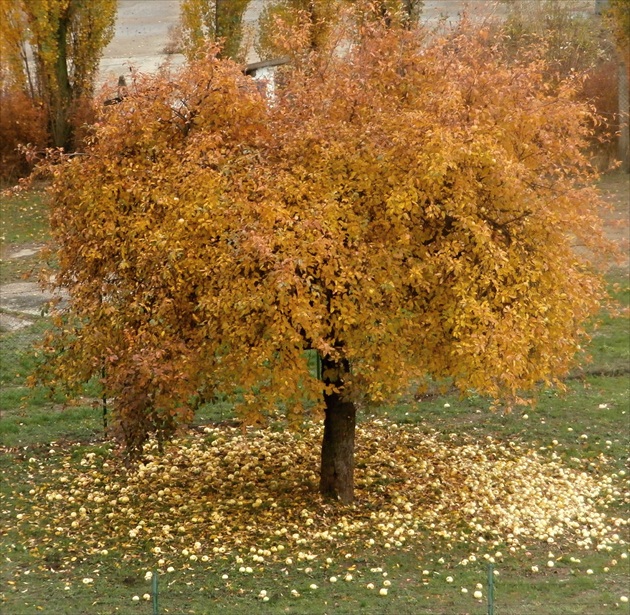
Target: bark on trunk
[(337, 458), (624, 124), (61, 97)]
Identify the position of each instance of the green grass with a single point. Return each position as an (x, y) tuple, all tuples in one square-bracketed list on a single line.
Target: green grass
[(36, 575), (18, 358), (411, 596), (23, 224), (595, 406), (609, 349), (23, 218), (32, 415)]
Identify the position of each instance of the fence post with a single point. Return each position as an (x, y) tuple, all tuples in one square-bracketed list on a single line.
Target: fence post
[(624, 127), (154, 592), (490, 589), (104, 400)]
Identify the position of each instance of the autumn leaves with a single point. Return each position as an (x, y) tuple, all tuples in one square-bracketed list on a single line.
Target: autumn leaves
[(405, 207)]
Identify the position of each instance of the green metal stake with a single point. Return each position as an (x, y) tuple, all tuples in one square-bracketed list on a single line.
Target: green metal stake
[(490, 589), (155, 592), (104, 400)]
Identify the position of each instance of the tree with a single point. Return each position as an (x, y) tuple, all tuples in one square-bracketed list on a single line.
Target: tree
[(407, 209), (207, 21), (13, 56), (66, 39), (573, 40), (619, 15), (394, 12), (288, 27), (619, 19), (291, 27), (21, 118)]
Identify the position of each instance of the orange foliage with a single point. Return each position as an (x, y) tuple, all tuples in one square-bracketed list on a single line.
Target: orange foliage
[(600, 89), (22, 122), (51, 50), (408, 207)]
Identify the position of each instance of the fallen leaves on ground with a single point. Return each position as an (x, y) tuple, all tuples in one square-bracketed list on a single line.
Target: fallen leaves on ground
[(224, 498)]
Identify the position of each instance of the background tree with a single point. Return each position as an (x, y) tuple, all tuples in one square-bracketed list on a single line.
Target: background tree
[(574, 42), (619, 18), (14, 66), (206, 21), (407, 210), (619, 14), (22, 118), (66, 39), (288, 27), (393, 12)]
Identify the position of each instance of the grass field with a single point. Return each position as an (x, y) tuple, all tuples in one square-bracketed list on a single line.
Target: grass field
[(80, 532), (23, 224)]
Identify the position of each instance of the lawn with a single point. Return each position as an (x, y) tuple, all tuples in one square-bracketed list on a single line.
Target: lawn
[(232, 522), (23, 225)]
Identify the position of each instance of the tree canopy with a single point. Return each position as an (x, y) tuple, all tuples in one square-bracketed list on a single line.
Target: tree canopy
[(619, 16), (212, 21), (407, 209), (293, 26), (65, 39)]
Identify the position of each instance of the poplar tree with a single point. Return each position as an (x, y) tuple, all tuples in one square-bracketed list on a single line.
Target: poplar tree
[(65, 39), (212, 21)]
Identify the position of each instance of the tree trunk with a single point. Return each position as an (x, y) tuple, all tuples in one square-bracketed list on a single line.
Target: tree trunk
[(337, 458), (61, 94), (624, 125)]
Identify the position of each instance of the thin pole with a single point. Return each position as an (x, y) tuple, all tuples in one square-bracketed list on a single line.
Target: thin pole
[(624, 127), (154, 580), (104, 400), (490, 589), (216, 20)]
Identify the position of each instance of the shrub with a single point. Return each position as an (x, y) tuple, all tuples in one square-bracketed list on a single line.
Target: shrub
[(22, 122), (600, 88), (575, 43)]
